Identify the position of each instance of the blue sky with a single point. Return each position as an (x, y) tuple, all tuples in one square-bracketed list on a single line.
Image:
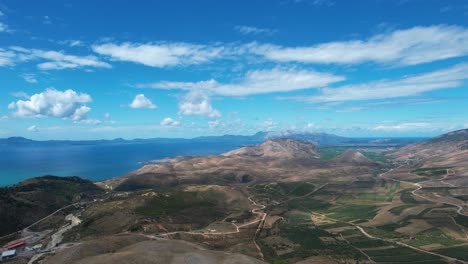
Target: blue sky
[(91, 70)]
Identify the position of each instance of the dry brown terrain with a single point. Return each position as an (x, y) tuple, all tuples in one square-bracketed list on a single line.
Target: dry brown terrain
[(448, 150), (275, 160), (139, 249)]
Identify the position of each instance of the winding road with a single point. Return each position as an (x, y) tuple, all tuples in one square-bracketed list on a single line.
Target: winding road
[(364, 232), (261, 217), (419, 187)]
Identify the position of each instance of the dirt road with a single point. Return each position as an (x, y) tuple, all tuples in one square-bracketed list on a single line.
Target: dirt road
[(440, 199)]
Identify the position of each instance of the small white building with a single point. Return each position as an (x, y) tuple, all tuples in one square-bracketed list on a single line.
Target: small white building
[(9, 254)]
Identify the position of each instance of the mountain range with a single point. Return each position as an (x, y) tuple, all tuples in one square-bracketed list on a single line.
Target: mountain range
[(316, 138)]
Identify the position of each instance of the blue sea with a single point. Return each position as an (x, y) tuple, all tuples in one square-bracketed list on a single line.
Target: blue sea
[(93, 162)]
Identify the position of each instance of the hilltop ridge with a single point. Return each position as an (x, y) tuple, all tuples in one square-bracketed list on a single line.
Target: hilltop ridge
[(354, 157), (447, 150), (278, 148), (272, 160)]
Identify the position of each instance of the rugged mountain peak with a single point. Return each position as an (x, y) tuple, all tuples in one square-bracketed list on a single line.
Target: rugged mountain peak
[(352, 156), (278, 148)]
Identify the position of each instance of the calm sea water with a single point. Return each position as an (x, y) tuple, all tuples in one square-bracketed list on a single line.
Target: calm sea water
[(94, 162)]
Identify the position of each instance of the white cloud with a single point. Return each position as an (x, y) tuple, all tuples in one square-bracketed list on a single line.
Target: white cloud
[(140, 101), (326, 3), (248, 30), (257, 82), (6, 57), (402, 47), (213, 124), (53, 103), (267, 125), (89, 121), (55, 60), (169, 122), (33, 128), (414, 85), (403, 126), (3, 27), (20, 94), (107, 115), (159, 54), (196, 103), (47, 20), (80, 113), (72, 43), (30, 78)]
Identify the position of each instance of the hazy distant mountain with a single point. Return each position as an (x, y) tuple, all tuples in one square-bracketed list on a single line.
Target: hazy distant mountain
[(278, 148), (236, 140)]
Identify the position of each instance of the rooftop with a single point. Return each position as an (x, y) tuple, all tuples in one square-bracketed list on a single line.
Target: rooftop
[(9, 253)]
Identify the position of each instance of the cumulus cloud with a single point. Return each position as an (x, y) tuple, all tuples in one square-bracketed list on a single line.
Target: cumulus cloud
[(80, 113), (54, 60), (248, 30), (33, 128), (169, 122), (257, 82), (401, 47), (159, 54), (452, 77), (140, 101), (53, 103), (196, 103), (107, 115)]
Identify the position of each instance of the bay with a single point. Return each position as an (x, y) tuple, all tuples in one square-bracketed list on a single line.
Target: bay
[(93, 162)]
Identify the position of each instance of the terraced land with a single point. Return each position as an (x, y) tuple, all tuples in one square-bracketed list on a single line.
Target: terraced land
[(380, 221)]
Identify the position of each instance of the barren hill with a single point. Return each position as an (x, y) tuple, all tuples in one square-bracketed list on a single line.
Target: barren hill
[(139, 250), (278, 148), (447, 150), (354, 157), (271, 161)]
